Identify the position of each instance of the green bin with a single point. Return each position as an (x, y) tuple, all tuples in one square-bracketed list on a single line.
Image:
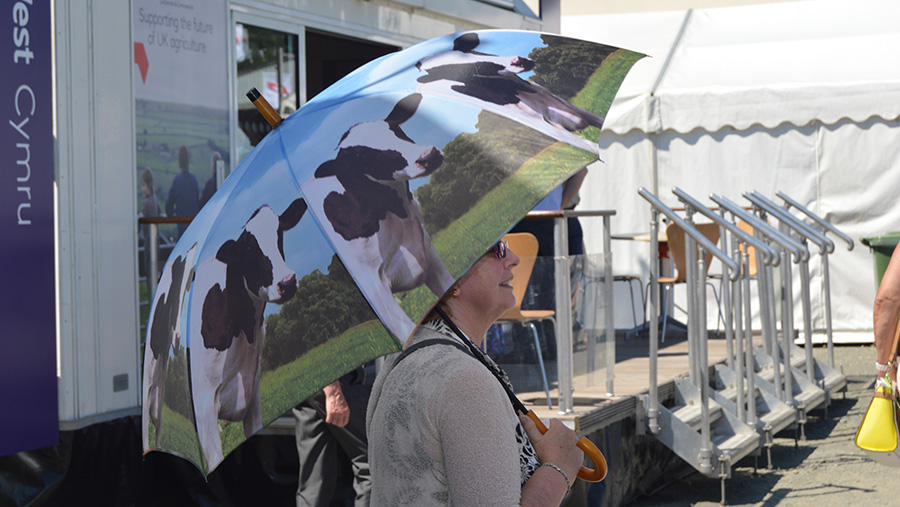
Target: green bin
[(883, 248)]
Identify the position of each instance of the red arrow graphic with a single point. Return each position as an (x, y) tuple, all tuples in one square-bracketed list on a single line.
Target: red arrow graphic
[(140, 58)]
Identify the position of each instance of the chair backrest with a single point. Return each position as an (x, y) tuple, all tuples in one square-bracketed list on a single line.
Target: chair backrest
[(676, 241), (751, 252), (525, 246)]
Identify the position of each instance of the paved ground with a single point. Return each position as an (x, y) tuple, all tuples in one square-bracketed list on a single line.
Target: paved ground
[(825, 470)]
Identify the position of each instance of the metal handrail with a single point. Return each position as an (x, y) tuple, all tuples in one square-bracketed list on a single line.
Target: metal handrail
[(734, 339), (691, 231), (696, 268), (563, 307), (800, 252), (826, 277), (817, 219), (825, 244), (165, 220), (770, 254)]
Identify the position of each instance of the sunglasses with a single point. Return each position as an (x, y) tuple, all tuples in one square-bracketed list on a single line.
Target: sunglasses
[(500, 249)]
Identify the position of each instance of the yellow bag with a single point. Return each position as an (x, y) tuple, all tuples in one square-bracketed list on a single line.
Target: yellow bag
[(879, 434)]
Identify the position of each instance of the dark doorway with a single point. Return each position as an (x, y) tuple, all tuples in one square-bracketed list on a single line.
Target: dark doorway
[(330, 57)]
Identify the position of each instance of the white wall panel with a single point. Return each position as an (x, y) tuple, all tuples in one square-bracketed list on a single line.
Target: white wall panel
[(98, 267)]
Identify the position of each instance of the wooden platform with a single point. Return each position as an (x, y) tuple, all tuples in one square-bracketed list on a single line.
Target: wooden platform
[(593, 409)]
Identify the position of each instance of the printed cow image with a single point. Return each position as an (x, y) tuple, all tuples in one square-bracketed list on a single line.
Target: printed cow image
[(493, 83), (231, 291), (370, 207), (164, 335)]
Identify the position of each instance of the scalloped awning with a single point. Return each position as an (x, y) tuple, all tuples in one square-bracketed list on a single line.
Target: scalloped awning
[(736, 67)]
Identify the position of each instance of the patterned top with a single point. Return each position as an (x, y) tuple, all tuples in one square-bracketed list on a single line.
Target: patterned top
[(442, 431)]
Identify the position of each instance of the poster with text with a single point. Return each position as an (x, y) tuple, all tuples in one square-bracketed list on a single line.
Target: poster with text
[(180, 76), (28, 417)]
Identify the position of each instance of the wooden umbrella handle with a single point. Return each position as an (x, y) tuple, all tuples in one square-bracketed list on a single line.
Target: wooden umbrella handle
[(596, 474), (265, 109)]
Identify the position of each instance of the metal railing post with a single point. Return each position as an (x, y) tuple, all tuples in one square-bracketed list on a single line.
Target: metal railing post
[(563, 314), (806, 233), (563, 293), (764, 230), (824, 227), (653, 300), (152, 276), (696, 352), (610, 331)]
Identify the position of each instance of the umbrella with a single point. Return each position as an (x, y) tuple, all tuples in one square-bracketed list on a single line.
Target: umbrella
[(340, 231)]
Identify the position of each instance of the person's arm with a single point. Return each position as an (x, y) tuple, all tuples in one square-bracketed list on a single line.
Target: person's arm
[(885, 313), (571, 187), (337, 412), (548, 486)]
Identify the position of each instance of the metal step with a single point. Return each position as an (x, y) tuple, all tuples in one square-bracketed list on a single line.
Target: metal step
[(826, 377), (772, 414), (806, 395), (730, 438), (691, 414)]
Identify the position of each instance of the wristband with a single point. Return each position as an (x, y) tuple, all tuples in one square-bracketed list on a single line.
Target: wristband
[(883, 367), (560, 470)]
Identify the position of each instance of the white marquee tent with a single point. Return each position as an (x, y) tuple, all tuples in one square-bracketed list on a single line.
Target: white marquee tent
[(800, 97)]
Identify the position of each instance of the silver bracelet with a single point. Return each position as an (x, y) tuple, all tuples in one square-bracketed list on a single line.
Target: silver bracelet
[(883, 367), (560, 470)]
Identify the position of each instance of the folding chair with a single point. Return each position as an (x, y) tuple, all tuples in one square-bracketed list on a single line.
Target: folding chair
[(525, 245)]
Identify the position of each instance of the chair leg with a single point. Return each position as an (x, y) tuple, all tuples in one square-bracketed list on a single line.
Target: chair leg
[(665, 313), (540, 356), (643, 299), (633, 306), (721, 320), (646, 325)]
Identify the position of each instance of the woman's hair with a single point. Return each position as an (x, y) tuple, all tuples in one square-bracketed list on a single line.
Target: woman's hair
[(442, 302), (147, 178), (184, 157)]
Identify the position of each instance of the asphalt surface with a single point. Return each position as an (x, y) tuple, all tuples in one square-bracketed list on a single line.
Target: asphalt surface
[(825, 470)]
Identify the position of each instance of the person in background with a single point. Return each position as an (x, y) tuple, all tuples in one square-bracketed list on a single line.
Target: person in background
[(334, 416), (884, 316), (184, 195), (541, 291), (150, 207), (564, 196), (441, 428), (210, 187)]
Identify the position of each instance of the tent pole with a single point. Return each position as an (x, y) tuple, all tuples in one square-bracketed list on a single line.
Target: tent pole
[(654, 132)]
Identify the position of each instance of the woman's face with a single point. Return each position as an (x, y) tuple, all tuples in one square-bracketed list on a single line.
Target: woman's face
[(487, 285)]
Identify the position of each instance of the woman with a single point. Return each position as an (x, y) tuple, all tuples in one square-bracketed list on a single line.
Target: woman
[(441, 428)]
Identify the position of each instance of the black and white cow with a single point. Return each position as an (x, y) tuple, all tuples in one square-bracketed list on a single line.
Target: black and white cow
[(164, 335), (231, 291), (492, 82), (365, 196)]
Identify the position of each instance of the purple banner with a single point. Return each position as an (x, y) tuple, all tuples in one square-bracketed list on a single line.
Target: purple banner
[(28, 417)]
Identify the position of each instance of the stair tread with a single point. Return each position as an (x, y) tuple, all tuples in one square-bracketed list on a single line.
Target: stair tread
[(691, 414), (739, 445)]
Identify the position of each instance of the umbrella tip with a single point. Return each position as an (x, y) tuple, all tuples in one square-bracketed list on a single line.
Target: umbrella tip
[(268, 112)]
